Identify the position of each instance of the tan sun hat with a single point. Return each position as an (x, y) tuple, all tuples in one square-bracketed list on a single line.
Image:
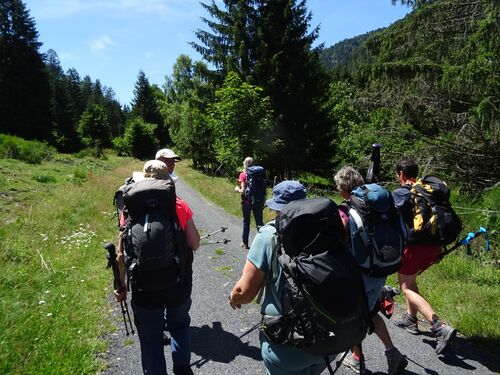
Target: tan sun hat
[(167, 154), (155, 169)]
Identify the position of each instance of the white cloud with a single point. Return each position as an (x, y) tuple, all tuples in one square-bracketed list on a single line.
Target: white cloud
[(100, 44)]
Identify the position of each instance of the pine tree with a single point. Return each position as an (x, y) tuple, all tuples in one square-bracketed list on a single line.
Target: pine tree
[(288, 68), (24, 87), (229, 44), (144, 105)]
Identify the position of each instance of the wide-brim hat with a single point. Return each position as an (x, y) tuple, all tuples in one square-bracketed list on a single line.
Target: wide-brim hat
[(284, 193)]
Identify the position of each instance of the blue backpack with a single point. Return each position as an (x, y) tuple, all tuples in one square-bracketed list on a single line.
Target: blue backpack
[(377, 230), (255, 185)]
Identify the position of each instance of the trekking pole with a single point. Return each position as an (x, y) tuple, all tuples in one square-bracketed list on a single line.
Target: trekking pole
[(372, 175), (467, 240), (111, 256), (222, 229), (224, 241)]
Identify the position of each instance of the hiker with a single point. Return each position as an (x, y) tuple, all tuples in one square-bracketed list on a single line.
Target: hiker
[(262, 270), (252, 190), (417, 258), (169, 157), (346, 180), (158, 297)]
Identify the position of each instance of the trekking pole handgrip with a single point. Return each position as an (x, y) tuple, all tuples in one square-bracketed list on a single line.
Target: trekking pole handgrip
[(112, 263)]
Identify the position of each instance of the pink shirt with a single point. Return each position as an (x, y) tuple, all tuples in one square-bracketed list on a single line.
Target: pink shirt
[(243, 177)]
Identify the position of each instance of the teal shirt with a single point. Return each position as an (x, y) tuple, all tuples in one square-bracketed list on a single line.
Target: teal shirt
[(261, 256), (279, 359)]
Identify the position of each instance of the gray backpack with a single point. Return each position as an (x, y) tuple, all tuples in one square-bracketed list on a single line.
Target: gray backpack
[(154, 243)]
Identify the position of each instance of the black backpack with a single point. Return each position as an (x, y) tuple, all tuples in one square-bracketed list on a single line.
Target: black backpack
[(154, 244), (118, 198), (255, 185), (324, 303), (377, 231), (434, 220)]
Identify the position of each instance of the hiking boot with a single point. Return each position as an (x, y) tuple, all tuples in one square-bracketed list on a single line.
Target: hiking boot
[(396, 362), (184, 370), (357, 365), (443, 333), (408, 322)]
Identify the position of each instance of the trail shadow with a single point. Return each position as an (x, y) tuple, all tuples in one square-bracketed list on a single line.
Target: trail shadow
[(463, 352), (215, 344)]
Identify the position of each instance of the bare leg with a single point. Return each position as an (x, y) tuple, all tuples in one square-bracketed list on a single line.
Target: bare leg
[(414, 301), (381, 331)]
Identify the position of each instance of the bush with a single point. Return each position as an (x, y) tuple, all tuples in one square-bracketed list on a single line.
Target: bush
[(140, 139), (44, 177), (33, 152)]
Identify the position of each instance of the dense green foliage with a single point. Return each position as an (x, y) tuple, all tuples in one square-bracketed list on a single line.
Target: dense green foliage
[(435, 76), (22, 70), (33, 152), (56, 101), (269, 45), (238, 114)]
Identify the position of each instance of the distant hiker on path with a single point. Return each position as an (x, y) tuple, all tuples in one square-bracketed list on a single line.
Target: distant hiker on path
[(346, 180), (253, 193), (417, 258), (155, 252)]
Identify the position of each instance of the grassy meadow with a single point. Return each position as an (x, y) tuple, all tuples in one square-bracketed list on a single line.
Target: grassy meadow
[(55, 290), (56, 217)]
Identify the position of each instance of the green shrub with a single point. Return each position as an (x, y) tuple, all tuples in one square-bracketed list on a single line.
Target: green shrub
[(44, 177), (120, 145), (140, 139), (33, 152), (80, 174)]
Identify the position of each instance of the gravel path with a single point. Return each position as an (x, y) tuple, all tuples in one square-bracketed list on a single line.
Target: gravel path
[(216, 346)]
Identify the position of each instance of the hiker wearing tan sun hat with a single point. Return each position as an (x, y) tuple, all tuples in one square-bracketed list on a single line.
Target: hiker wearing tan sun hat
[(158, 237), (169, 157)]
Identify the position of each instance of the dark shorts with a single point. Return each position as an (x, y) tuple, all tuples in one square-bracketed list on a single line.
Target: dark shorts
[(418, 258)]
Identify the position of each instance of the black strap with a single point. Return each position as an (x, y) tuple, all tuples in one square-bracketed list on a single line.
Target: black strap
[(337, 364)]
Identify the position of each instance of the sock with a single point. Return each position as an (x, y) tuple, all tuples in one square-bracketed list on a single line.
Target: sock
[(435, 319), (390, 349)]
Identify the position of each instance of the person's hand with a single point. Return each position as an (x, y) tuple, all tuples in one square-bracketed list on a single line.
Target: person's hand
[(120, 295), (234, 306)]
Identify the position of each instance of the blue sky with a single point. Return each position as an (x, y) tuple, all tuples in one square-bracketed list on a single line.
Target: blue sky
[(111, 40)]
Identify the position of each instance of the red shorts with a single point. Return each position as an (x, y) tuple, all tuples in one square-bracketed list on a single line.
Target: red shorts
[(418, 258)]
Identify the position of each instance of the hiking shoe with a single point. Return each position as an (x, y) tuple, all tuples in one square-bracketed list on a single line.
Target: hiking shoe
[(408, 322), (357, 365), (443, 333), (184, 370), (396, 362)]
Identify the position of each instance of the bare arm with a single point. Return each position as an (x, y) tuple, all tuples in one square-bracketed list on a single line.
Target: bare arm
[(248, 286), (192, 235)]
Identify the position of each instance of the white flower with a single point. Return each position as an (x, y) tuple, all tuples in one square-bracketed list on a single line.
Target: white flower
[(49, 315), (42, 302)]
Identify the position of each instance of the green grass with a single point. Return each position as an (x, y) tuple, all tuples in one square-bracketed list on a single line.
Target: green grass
[(53, 281)]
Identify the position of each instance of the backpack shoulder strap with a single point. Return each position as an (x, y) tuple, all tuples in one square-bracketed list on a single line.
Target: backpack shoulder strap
[(275, 245)]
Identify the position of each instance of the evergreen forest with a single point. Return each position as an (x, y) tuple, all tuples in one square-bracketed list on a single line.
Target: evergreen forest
[(426, 87)]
